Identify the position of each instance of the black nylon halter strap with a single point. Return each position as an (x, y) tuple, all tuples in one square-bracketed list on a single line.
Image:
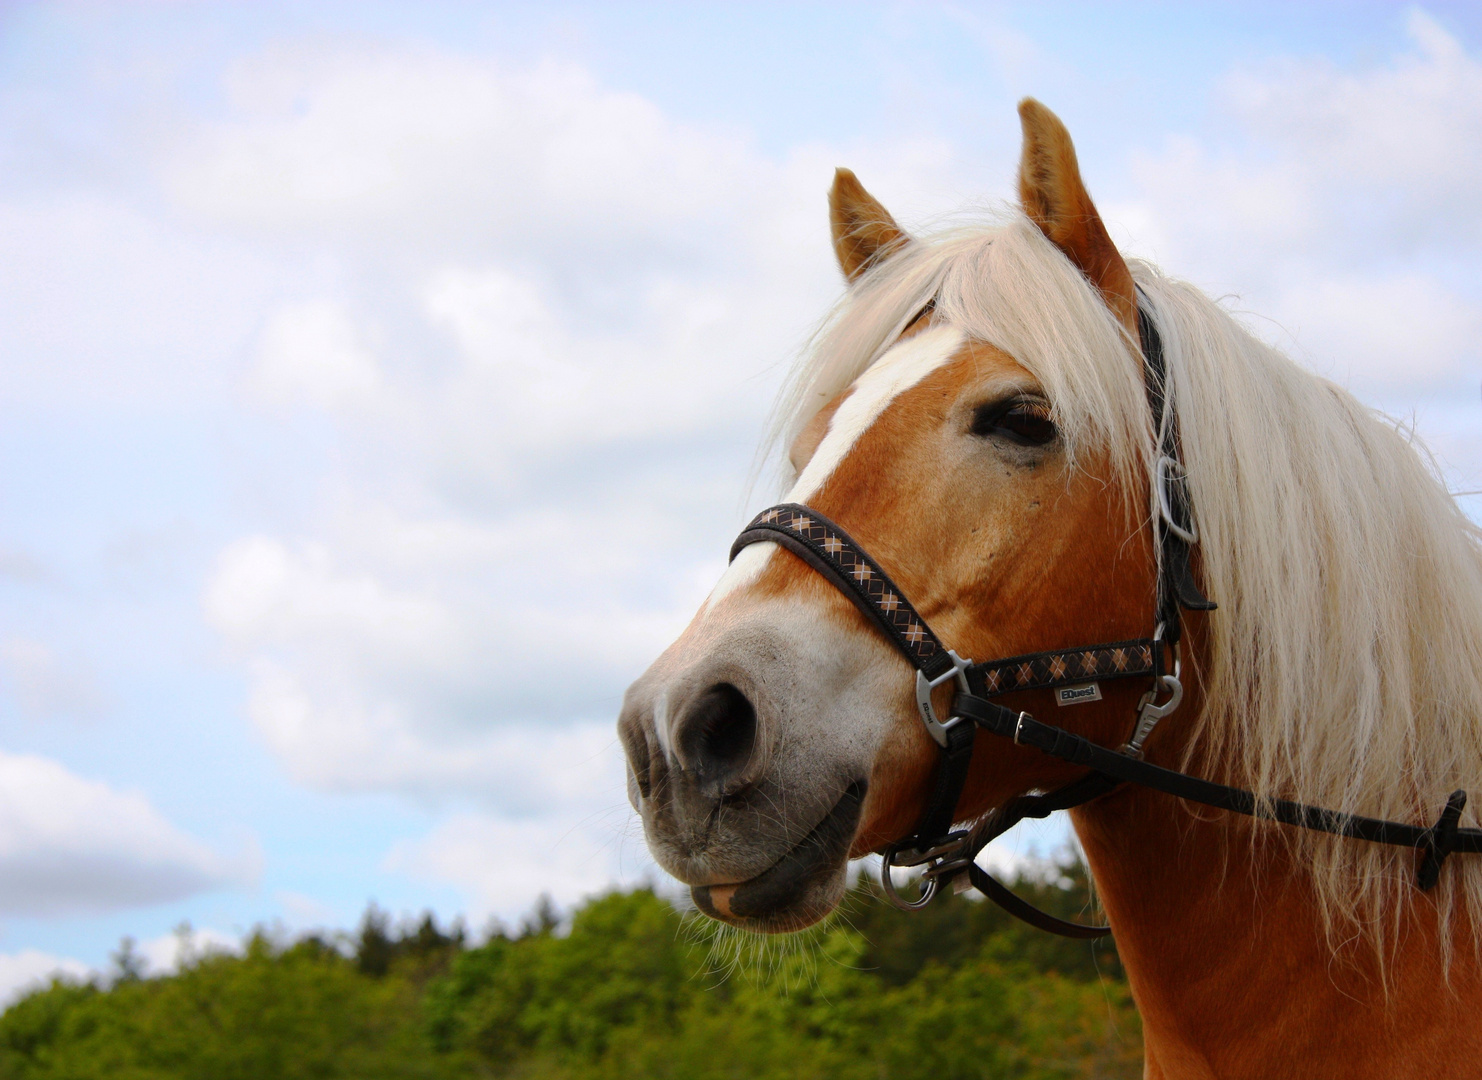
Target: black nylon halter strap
[(1063, 667), (1176, 586), (1434, 842), (829, 550)]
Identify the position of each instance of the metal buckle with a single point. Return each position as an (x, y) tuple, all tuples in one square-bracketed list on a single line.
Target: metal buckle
[(925, 686), (1149, 713), (1166, 471)]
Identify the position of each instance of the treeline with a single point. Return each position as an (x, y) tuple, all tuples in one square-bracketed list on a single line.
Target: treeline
[(626, 988)]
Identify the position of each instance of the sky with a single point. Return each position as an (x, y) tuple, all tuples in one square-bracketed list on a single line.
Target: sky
[(380, 383)]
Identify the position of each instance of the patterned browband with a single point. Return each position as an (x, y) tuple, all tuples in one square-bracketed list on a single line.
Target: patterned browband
[(830, 551)]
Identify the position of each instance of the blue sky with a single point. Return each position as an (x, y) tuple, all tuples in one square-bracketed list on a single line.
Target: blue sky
[(379, 382)]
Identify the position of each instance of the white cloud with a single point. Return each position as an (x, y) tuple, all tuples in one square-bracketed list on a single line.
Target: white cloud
[(1398, 331), (27, 970), (1400, 143), (469, 683), (311, 351), (71, 845), (419, 146), (503, 865), (1368, 164), (30, 969), (543, 456), (303, 911), (21, 566), (1339, 203), (266, 594), (106, 302)]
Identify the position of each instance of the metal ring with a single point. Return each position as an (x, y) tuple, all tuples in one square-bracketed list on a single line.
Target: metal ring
[(1163, 473), (1018, 727), (928, 885)]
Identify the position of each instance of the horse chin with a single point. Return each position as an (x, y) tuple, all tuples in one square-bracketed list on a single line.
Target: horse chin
[(798, 889)]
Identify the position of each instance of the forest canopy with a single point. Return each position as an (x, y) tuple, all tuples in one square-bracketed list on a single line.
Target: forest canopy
[(625, 986)]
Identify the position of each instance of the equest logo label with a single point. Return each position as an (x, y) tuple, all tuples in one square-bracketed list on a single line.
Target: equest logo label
[(1074, 695)]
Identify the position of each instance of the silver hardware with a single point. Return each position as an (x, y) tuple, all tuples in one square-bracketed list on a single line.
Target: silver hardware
[(928, 884), (1148, 712), (1019, 727), (1166, 471), (925, 686), (941, 862)]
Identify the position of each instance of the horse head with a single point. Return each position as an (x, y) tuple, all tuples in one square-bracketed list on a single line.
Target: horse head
[(1002, 489), (1012, 422)]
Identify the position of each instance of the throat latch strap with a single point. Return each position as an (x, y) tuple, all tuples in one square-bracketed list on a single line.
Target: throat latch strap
[(1175, 527)]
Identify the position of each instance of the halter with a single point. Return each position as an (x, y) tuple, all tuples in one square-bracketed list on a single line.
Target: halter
[(947, 855)]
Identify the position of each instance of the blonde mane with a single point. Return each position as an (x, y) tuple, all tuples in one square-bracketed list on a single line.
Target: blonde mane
[(1345, 664)]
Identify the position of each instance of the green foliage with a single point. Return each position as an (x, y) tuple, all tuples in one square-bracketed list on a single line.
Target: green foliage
[(301, 1011), (630, 989)]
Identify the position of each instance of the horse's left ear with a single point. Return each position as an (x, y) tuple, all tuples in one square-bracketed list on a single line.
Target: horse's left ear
[(1051, 193), (864, 232)]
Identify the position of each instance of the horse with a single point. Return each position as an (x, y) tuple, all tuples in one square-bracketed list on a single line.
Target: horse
[(977, 414)]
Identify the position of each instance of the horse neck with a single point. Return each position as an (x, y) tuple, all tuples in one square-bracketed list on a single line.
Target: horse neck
[(1227, 958)]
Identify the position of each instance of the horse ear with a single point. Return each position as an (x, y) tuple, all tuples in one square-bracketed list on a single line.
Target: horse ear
[(864, 231), (1051, 193)]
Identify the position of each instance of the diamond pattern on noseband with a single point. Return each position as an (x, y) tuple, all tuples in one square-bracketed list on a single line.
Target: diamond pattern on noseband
[(1039, 670), (848, 563)]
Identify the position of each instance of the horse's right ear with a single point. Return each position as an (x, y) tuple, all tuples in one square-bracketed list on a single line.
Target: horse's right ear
[(864, 232)]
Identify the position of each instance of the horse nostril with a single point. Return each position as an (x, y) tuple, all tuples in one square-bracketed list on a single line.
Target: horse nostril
[(635, 746), (718, 736)]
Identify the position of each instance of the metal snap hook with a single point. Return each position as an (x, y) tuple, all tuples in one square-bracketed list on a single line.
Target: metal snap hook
[(1149, 712)]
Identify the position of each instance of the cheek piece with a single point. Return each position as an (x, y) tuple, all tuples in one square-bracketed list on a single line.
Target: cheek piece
[(947, 855)]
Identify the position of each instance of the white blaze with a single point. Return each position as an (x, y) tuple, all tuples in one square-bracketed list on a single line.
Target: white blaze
[(901, 368)]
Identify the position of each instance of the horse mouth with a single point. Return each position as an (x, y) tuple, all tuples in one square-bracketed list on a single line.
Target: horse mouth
[(798, 889)]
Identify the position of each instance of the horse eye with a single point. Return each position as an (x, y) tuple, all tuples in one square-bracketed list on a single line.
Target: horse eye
[(1026, 423)]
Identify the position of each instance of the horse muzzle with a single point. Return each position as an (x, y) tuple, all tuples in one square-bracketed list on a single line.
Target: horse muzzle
[(749, 746), (801, 887)]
